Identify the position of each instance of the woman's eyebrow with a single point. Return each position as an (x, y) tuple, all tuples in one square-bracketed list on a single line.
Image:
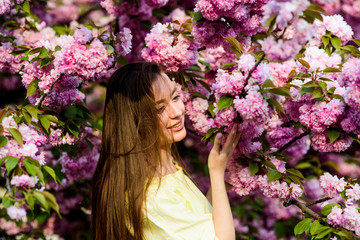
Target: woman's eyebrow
[(163, 100)]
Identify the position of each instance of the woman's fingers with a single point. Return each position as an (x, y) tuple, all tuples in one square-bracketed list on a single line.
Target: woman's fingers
[(217, 142), (231, 140)]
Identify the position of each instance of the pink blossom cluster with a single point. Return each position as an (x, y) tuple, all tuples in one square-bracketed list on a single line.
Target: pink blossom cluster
[(228, 83), (332, 185), (330, 7), (278, 134), (286, 11), (130, 8), (253, 108), (353, 193), (348, 218), (61, 13), (217, 57), (336, 25), (8, 5), (196, 111), (9, 63), (32, 140), (296, 30), (83, 165), (245, 184), (173, 52), (313, 189), (351, 7), (280, 72), (123, 45), (227, 18), (16, 213), (24, 181)]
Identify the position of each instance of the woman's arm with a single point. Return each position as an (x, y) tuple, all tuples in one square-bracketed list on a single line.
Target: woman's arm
[(209, 192), (218, 159)]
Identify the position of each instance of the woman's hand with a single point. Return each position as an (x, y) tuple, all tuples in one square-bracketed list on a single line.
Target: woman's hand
[(218, 158)]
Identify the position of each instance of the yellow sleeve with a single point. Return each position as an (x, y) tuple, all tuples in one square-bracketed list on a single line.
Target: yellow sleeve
[(171, 215)]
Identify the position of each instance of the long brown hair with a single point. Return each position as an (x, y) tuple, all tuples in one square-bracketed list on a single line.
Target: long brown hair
[(129, 155)]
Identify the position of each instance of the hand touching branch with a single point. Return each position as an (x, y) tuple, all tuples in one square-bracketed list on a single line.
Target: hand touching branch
[(218, 159)]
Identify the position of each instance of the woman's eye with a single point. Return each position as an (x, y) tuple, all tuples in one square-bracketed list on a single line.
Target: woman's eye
[(176, 97), (160, 109)]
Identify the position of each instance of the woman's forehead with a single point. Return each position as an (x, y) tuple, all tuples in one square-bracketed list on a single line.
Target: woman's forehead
[(163, 87)]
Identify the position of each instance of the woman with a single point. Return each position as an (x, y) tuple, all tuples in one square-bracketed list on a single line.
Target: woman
[(140, 192)]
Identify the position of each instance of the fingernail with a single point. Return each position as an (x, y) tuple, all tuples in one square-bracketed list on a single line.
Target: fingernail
[(219, 135)]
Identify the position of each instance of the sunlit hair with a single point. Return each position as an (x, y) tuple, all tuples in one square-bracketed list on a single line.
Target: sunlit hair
[(130, 154)]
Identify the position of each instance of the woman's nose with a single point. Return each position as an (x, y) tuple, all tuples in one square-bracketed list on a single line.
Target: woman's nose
[(175, 110)]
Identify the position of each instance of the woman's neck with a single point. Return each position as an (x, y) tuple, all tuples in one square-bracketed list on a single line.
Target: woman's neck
[(168, 166)]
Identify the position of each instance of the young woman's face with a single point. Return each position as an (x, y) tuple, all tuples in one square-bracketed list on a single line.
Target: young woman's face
[(170, 108)]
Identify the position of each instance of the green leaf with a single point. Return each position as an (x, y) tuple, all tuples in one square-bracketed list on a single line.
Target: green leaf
[(276, 104), (313, 14), (331, 90), (271, 20), (325, 231), (33, 51), (45, 123), (350, 48), (325, 41), (343, 233), (253, 167), (282, 91), (29, 168), (3, 141), (268, 83), (316, 8), (74, 130), (110, 49), (40, 198), (199, 95), (57, 48), (25, 58), (211, 110), (70, 112), (235, 43), (331, 164), (317, 93), (331, 69), (32, 110), (51, 118), (43, 53), (326, 210), (51, 172), (310, 84), (61, 30), (27, 116), (198, 16), (273, 175), (315, 227), (44, 62), (228, 65), (295, 172), (356, 41), (31, 200), (204, 84), (295, 179), (16, 135), (304, 63), (336, 42), (51, 201), (210, 132), (302, 226), (26, 6), (10, 164), (323, 84), (32, 87), (6, 202), (269, 164), (333, 134), (224, 102)]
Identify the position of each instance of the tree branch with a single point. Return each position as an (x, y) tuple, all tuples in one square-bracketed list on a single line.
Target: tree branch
[(303, 208), (249, 75), (313, 214), (292, 141), (318, 201)]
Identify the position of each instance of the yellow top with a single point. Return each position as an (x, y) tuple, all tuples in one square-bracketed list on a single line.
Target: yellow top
[(177, 210)]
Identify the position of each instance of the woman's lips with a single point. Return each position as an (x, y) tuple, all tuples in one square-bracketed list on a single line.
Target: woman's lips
[(177, 127)]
